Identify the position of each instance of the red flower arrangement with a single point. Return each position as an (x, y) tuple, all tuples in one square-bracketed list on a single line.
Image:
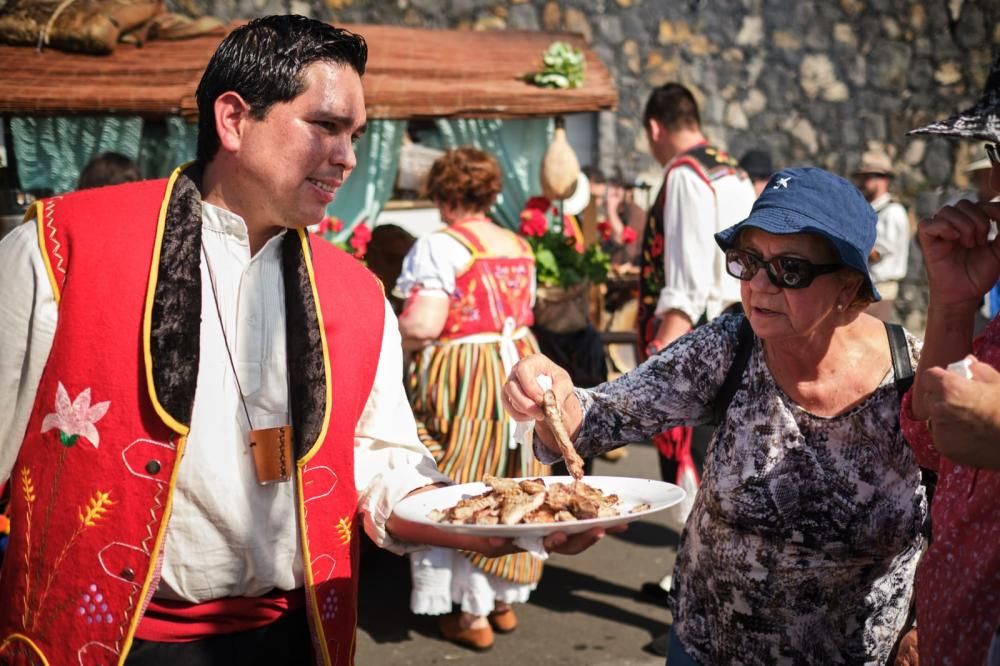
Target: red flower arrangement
[(356, 245), (560, 257)]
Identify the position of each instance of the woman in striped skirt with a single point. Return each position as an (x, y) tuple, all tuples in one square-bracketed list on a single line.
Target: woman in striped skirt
[(469, 291)]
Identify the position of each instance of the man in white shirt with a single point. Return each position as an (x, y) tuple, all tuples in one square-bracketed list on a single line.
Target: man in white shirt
[(683, 280), (197, 401), (887, 263)]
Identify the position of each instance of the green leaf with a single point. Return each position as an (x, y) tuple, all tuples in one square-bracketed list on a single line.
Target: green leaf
[(67, 440)]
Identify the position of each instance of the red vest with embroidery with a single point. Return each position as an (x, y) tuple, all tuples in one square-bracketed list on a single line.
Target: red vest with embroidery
[(492, 288), (92, 485)]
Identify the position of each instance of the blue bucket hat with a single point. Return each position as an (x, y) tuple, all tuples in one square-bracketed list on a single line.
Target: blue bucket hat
[(808, 200)]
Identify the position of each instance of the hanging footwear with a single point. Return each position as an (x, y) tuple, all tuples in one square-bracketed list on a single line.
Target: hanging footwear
[(503, 621), (475, 639)]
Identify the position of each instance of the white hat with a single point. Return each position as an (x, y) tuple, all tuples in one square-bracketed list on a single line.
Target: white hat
[(575, 203)]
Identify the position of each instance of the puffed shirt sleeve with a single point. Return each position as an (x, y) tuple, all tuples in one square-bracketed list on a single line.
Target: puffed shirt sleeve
[(689, 226), (28, 315), (431, 265), (389, 459)]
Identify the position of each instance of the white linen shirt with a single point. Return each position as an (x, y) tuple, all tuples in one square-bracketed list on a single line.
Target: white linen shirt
[(227, 535), (695, 277), (892, 240)]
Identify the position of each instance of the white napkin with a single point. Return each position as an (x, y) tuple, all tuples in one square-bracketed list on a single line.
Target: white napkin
[(962, 368), (524, 430), (533, 546)]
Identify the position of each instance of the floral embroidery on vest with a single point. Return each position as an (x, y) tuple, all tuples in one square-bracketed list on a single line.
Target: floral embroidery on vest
[(76, 418), (72, 419)]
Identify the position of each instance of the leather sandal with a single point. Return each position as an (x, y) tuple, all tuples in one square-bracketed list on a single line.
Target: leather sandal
[(503, 621), (475, 639)]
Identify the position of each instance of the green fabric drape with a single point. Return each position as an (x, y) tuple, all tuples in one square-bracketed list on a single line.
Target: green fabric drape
[(51, 151), (166, 145), (363, 195), (518, 146)]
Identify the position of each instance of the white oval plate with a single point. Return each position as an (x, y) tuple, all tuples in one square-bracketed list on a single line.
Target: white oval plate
[(632, 492)]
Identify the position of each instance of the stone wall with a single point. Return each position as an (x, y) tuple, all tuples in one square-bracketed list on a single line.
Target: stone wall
[(814, 81)]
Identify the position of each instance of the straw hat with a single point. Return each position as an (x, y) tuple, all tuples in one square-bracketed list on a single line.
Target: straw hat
[(875, 162), (981, 121)]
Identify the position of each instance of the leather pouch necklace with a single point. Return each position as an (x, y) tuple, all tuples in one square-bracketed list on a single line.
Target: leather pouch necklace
[(271, 447)]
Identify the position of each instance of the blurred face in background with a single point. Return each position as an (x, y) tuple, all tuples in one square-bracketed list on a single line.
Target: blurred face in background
[(872, 185)]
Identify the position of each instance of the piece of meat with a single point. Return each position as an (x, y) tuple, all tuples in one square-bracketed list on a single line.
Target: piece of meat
[(532, 486), (542, 514), (553, 415), (516, 508), (503, 487), (466, 509)]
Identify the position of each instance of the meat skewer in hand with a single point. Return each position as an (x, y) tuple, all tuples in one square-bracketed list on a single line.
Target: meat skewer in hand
[(553, 416)]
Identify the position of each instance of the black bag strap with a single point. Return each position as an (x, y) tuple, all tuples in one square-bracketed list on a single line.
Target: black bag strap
[(902, 369), (734, 376)]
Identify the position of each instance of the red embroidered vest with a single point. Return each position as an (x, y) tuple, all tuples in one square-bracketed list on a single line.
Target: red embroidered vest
[(92, 485), (492, 289)]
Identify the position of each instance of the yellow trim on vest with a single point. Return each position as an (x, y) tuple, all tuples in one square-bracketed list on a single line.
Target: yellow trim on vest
[(154, 554), (307, 257), (37, 213), (147, 318), (315, 619), (21, 637)]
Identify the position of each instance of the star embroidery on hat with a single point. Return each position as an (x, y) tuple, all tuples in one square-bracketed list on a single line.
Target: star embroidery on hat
[(782, 183)]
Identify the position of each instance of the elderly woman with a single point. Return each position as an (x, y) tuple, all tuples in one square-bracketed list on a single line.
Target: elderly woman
[(805, 534), (469, 292)]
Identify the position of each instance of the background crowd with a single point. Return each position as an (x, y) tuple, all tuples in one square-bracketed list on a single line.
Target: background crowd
[(847, 508)]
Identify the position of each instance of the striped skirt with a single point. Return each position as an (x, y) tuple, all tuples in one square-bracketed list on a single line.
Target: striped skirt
[(455, 393)]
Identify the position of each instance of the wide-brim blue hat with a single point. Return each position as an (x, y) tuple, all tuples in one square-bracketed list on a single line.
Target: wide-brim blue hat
[(808, 200)]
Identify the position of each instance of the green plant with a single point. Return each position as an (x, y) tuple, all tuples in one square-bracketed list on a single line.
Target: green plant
[(561, 260), (562, 67)]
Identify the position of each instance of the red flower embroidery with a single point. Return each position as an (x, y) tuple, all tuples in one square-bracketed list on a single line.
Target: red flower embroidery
[(628, 235), (656, 248)]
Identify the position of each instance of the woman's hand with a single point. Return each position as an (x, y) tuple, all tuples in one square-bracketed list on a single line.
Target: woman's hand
[(522, 397), (964, 414), (962, 264)]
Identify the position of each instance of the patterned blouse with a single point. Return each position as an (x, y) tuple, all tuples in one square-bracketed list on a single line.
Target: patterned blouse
[(805, 534)]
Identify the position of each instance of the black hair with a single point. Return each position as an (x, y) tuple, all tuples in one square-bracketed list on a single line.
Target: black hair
[(673, 106), (594, 175), (108, 169), (263, 61)]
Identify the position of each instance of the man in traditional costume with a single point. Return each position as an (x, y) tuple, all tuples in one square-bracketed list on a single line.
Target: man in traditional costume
[(199, 404), (682, 280)]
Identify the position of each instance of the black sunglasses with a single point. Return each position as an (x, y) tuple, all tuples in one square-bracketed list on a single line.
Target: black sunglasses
[(784, 272), (993, 153)]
